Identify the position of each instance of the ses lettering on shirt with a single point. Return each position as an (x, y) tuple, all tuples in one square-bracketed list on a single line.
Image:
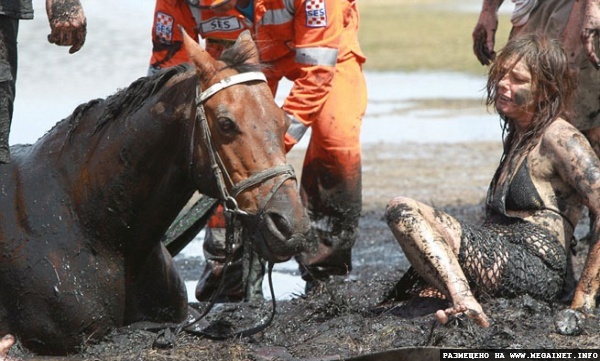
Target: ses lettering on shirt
[(221, 24)]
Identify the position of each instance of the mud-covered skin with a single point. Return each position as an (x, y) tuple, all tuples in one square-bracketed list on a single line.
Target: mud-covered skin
[(68, 25), (582, 32), (430, 239), (5, 344), (484, 33)]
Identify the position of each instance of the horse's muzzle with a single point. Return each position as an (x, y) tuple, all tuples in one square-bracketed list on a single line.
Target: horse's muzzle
[(278, 237)]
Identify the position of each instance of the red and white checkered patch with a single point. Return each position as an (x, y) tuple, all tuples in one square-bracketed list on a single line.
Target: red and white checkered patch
[(316, 16), (164, 27)]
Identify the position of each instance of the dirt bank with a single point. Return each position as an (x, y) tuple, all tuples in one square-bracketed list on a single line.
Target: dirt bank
[(343, 319)]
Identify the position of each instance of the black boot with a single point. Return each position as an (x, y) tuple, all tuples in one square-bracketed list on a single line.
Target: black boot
[(242, 277)]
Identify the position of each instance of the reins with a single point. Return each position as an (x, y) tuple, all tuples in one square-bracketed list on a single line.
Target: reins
[(232, 210)]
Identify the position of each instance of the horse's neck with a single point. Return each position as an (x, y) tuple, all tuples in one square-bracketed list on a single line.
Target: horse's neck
[(137, 168)]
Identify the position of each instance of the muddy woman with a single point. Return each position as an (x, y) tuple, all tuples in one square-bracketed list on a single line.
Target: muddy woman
[(547, 174)]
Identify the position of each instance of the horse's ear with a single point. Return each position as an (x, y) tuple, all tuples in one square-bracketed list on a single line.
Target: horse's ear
[(245, 41), (204, 62)]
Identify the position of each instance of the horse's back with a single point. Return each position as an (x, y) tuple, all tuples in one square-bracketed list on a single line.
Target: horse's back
[(51, 273)]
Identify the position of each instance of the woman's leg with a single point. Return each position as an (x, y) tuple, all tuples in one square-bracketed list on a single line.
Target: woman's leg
[(431, 241)]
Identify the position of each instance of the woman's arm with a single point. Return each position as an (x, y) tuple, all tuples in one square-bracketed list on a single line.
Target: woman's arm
[(577, 164)]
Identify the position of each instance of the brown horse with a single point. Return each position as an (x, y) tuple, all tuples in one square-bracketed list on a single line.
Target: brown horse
[(82, 210)]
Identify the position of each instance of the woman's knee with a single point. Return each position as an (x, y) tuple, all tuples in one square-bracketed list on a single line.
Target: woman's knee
[(400, 209)]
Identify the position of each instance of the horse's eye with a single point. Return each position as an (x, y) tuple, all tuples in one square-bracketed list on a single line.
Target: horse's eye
[(227, 125)]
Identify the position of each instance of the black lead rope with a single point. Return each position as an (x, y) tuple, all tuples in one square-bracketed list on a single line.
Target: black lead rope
[(243, 333), (167, 338)]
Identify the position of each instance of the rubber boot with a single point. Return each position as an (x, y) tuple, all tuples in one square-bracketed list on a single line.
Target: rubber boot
[(243, 276), (327, 255)]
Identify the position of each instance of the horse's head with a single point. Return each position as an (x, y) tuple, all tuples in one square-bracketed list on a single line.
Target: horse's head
[(241, 127)]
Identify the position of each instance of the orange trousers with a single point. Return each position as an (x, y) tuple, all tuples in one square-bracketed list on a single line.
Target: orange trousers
[(331, 184)]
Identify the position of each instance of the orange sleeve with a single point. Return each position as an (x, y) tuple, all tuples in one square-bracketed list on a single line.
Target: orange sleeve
[(317, 27), (167, 40)]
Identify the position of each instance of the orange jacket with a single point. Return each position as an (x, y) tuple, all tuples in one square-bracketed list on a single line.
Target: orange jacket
[(303, 40), (218, 30), (167, 40)]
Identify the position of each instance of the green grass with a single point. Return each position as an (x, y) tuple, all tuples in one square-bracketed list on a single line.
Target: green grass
[(409, 37)]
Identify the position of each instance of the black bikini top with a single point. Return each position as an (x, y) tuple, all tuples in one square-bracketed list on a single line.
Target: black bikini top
[(519, 195), (522, 194)]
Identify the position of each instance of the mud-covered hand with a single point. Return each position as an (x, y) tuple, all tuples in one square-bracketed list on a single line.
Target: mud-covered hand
[(68, 25), (590, 32), (484, 36), (589, 38)]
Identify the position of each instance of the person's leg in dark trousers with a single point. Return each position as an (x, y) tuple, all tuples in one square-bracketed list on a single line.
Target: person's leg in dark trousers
[(9, 28)]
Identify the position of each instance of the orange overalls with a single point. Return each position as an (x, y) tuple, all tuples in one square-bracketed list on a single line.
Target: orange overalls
[(314, 43)]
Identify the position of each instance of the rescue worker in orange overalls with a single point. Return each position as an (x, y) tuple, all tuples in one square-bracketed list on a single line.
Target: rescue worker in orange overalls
[(218, 30), (313, 43)]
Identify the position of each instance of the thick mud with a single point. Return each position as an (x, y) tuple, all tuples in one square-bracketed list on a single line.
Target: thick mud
[(346, 318)]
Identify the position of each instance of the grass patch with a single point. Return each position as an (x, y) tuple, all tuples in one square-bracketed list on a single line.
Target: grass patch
[(412, 36)]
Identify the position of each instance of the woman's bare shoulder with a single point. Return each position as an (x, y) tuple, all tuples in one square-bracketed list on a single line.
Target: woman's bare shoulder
[(562, 137), (561, 131)]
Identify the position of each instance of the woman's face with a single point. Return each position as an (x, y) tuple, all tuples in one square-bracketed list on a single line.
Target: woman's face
[(514, 96)]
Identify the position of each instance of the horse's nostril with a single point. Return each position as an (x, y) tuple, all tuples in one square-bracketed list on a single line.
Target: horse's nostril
[(282, 224)]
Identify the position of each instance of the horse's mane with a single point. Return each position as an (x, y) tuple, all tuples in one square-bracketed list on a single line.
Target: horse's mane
[(124, 101), (128, 100), (236, 57)]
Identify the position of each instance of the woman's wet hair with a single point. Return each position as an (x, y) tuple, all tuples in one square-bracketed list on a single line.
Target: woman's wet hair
[(552, 88), (552, 80)]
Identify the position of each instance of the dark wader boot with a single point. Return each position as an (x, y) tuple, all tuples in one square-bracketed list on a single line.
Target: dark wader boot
[(8, 76), (334, 204), (328, 255), (243, 277)]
